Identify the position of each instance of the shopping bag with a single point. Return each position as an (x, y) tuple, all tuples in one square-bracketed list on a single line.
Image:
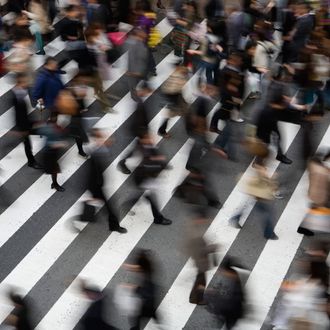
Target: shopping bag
[(155, 37), (317, 220), (117, 38), (66, 104)]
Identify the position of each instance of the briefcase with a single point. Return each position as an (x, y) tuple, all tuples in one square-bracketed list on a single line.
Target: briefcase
[(88, 214)]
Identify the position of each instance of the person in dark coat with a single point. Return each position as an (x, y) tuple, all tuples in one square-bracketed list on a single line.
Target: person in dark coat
[(95, 179), (300, 34), (93, 318), (24, 124), (98, 13), (147, 288), (48, 84), (54, 143), (227, 301), (19, 318), (267, 122), (152, 164), (138, 129)]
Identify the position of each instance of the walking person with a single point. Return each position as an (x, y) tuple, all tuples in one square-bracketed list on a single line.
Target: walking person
[(145, 175), (55, 141), (95, 179), (48, 84), (146, 290), (137, 61), (24, 124)]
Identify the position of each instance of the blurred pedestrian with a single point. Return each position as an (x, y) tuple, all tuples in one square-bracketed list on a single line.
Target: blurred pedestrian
[(24, 125), (95, 178), (146, 290), (199, 250), (227, 300), (48, 84), (94, 317), (20, 317)]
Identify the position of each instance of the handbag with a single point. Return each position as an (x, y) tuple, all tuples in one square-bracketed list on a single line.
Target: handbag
[(317, 220), (117, 38), (259, 187), (88, 214), (255, 146), (66, 104)]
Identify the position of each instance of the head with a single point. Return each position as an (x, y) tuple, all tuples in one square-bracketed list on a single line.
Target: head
[(235, 59), (51, 64), (72, 11), (24, 38), (301, 8), (139, 34), (22, 80)]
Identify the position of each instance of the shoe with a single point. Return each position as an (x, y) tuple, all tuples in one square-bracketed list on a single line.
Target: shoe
[(305, 231), (214, 203), (57, 187), (274, 237), (120, 230), (123, 168), (238, 120), (215, 130), (62, 72), (278, 195), (283, 159), (83, 154), (235, 223), (41, 52), (35, 165), (163, 221), (165, 135)]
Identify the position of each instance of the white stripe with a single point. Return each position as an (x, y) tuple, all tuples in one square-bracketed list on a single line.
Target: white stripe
[(59, 237), (68, 309), (15, 216), (177, 298), (276, 257)]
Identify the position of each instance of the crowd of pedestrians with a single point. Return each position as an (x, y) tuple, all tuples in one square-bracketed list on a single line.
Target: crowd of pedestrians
[(261, 62)]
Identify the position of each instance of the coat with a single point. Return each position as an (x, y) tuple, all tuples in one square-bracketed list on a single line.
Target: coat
[(23, 123), (319, 184), (48, 85)]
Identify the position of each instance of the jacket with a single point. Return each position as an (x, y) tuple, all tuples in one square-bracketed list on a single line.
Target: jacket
[(319, 184), (48, 85), (23, 123)]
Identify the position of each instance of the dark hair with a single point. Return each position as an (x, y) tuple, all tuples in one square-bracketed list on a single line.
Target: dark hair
[(70, 8), (23, 35), (20, 76), (50, 59)]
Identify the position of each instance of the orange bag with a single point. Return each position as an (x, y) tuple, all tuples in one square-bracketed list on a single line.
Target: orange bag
[(66, 103)]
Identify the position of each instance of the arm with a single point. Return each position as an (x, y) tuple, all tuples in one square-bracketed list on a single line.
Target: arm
[(38, 90)]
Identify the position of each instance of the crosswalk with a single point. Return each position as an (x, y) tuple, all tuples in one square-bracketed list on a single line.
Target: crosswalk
[(45, 258)]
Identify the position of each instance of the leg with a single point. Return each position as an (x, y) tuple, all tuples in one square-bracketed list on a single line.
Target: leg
[(163, 127), (266, 209), (158, 217), (196, 294), (28, 150), (79, 144), (55, 184)]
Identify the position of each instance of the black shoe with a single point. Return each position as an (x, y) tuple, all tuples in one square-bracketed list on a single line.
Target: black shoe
[(57, 187), (235, 223), (119, 229), (162, 221), (61, 71), (164, 134), (305, 231), (41, 52), (215, 130), (214, 203), (123, 168), (283, 159), (273, 237), (35, 165), (83, 154)]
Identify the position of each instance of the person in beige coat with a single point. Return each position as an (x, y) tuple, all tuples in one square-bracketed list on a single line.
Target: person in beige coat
[(39, 23)]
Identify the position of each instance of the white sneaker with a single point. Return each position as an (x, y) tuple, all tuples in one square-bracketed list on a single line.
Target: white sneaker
[(235, 117)]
